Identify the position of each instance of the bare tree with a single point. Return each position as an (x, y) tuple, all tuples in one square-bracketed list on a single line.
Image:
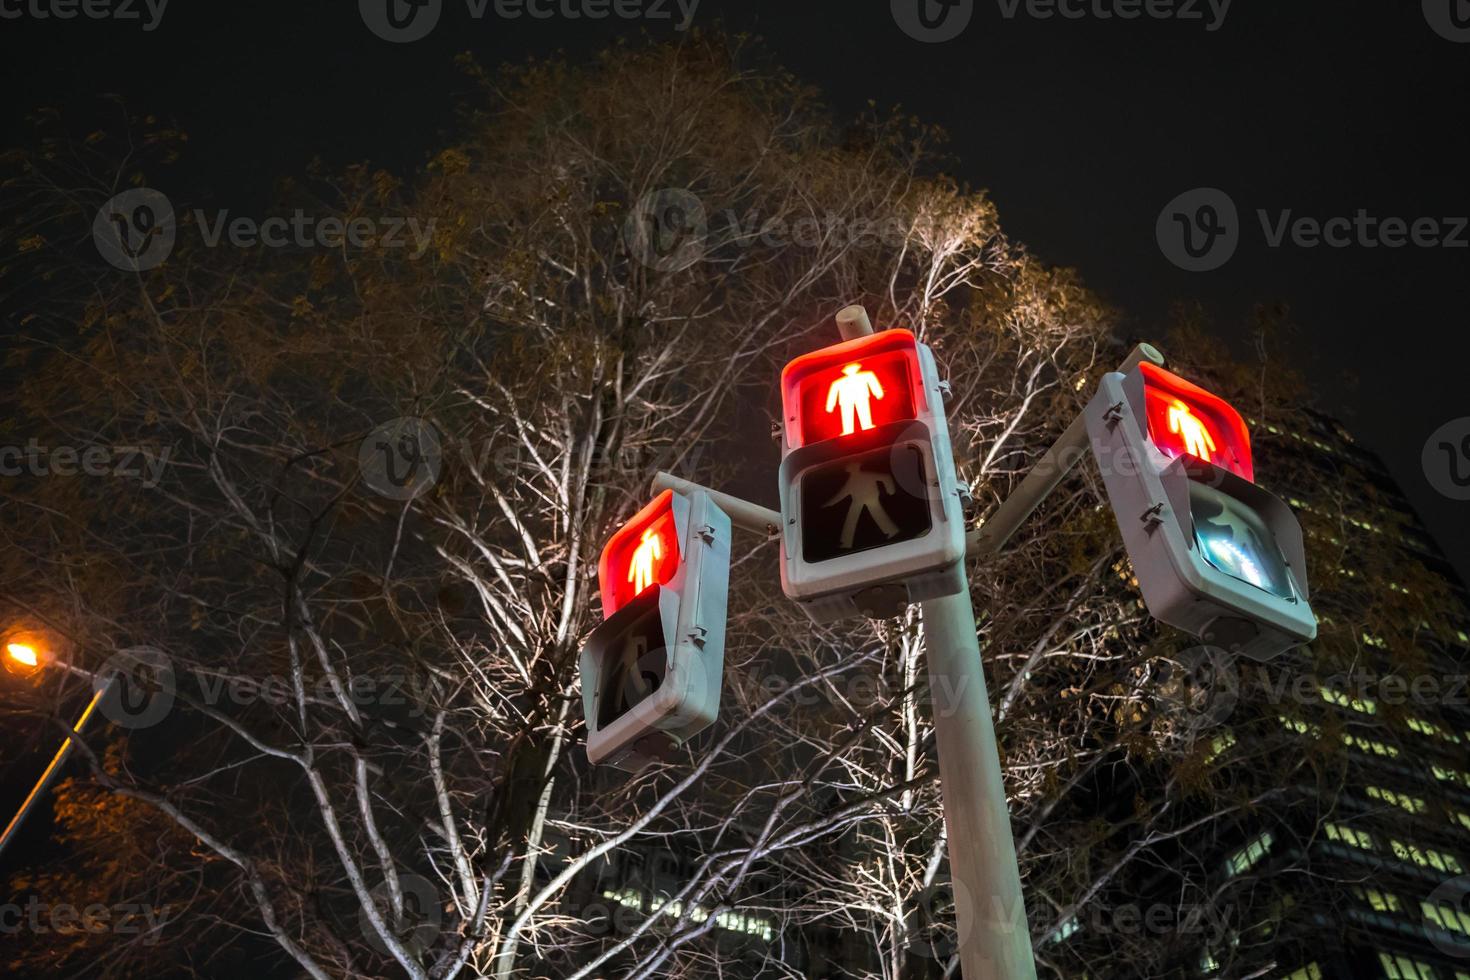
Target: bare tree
[(367, 549)]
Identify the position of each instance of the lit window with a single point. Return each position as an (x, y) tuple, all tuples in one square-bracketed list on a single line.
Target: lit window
[(1066, 929), (1222, 742), (1370, 745), (1349, 835), (1380, 901), (1447, 916), (1445, 775), (1401, 967), (1249, 855), (1300, 727), (1309, 972), (1363, 705), (1426, 857), (1427, 728), (1412, 804)]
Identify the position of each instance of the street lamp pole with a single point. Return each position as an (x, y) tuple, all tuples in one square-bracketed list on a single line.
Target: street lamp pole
[(57, 762)]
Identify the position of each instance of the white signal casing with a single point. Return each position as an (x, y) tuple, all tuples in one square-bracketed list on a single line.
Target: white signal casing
[(1150, 497), (691, 613), (880, 580)]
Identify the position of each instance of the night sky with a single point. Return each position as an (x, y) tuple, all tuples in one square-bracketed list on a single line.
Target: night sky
[(1082, 129)]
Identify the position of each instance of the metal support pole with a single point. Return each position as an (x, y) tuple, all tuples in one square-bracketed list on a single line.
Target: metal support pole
[(742, 513), (990, 915), (54, 768), (853, 322), (1050, 470)]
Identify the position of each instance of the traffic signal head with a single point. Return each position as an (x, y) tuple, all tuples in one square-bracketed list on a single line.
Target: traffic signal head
[(651, 670), (1215, 555), (1185, 420), (870, 504)]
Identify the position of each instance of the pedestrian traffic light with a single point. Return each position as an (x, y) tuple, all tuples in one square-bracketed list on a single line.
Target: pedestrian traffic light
[(871, 507), (651, 671), (1215, 555)]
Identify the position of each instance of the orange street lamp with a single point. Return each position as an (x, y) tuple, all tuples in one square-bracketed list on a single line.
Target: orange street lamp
[(33, 656), (23, 653)]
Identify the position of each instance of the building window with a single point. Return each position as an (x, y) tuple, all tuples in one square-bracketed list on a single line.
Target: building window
[(1066, 929), (1447, 917), (1427, 728), (1364, 705), (1403, 801), (1426, 857), (1249, 856), (1309, 972), (1300, 727), (1380, 901), (1349, 835), (1400, 967), (1445, 775), (1222, 742), (1370, 745)]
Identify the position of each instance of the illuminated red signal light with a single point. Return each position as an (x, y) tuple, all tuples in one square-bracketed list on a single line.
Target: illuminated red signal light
[(851, 388), (1186, 420), (643, 552)]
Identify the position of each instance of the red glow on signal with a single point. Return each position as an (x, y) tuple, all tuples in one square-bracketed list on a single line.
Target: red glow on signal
[(851, 387), (1186, 420), (643, 551)]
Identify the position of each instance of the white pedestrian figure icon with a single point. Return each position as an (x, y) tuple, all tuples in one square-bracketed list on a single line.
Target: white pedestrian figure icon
[(640, 569), (851, 394), (1197, 439), (862, 489)]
